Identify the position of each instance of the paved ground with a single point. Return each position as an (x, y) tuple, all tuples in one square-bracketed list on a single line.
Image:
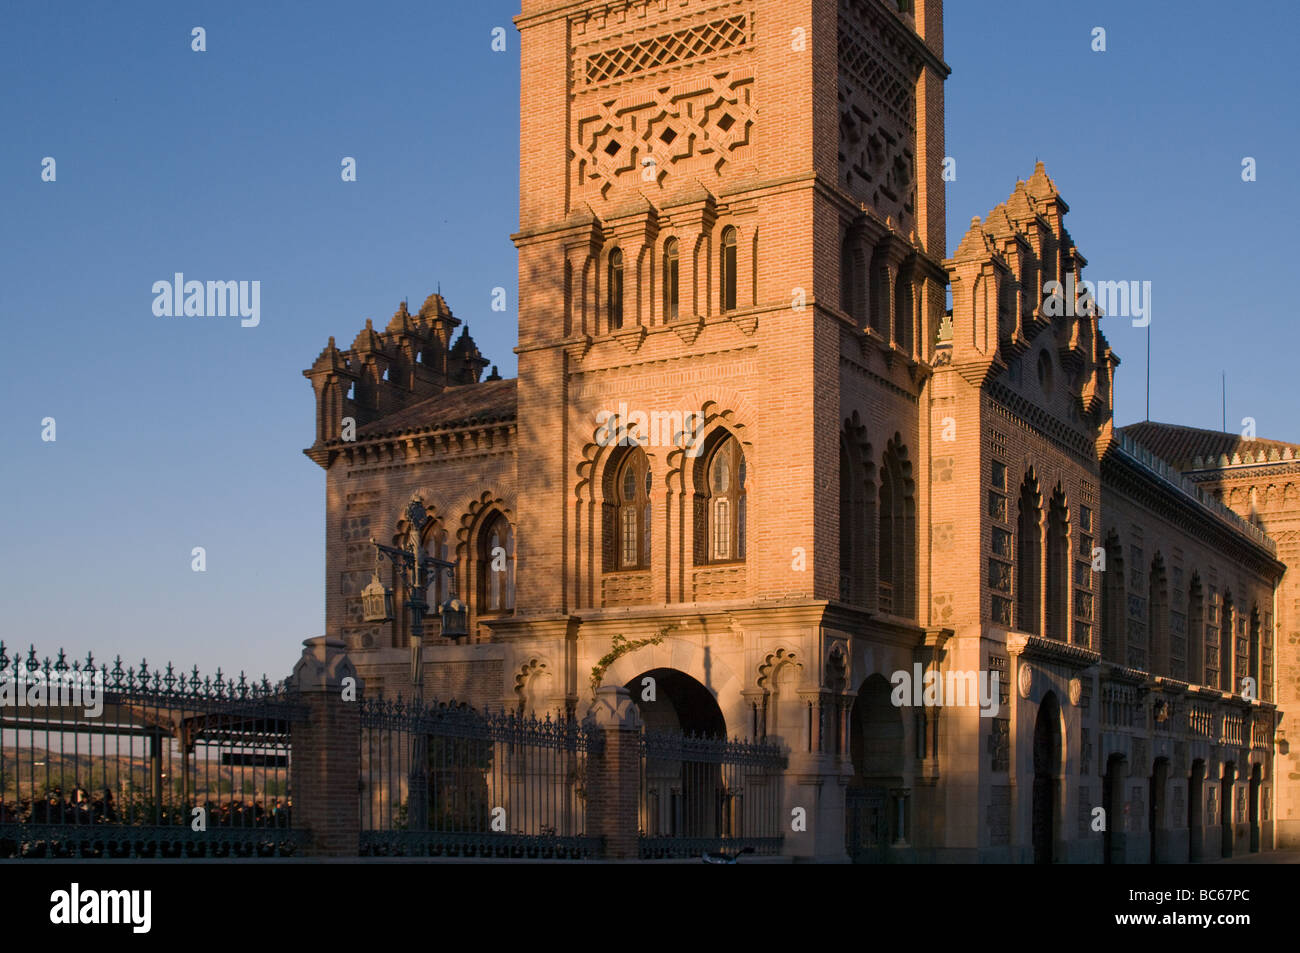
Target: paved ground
[(1264, 857)]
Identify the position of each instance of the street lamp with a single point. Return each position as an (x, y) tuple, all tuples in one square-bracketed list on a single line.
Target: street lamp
[(416, 571)]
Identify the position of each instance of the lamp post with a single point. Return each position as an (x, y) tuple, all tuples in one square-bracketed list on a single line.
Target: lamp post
[(416, 572)]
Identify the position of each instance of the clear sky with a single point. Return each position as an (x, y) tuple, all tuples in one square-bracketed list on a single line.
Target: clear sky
[(174, 433)]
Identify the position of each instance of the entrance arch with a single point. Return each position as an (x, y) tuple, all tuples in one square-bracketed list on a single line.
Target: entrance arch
[(678, 703), (1227, 806), (679, 797), (873, 800), (1047, 778), (1112, 801), (1196, 812), (1156, 807), (1256, 776)]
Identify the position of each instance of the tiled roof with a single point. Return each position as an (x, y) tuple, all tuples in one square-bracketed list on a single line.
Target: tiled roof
[(1181, 446), (463, 406)]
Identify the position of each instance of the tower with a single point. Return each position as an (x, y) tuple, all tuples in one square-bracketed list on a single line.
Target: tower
[(728, 209)]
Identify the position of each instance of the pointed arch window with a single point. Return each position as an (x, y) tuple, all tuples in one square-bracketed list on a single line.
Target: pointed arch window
[(671, 272), (903, 309), (1058, 568), (633, 486), (1029, 558), (1196, 632), (614, 306), (1252, 662), (1114, 602), (720, 512), (727, 262), (495, 566), (848, 278), (1227, 626), (439, 582), (896, 544), (1157, 660)]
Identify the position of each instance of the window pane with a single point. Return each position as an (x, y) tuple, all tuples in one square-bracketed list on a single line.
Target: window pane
[(721, 529), (629, 536), (721, 472)]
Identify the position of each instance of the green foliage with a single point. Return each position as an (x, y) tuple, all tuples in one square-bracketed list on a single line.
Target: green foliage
[(622, 647)]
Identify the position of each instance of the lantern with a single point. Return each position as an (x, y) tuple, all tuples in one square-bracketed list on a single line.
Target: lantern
[(377, 601), (455, 619)]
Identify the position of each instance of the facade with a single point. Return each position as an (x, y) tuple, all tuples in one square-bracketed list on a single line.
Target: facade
[(753, 461)]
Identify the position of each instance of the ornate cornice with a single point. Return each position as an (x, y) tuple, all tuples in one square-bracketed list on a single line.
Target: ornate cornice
[(1125, 476), (1025, 413), (1035, 647)]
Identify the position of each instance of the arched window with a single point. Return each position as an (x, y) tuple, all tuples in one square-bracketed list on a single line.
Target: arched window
[(1252, 661), (670, 280), (439, 583), (495, 566), (1029, 557), (720, 506), (633, 486), (615, 289), (848, 536), (1227, 627), (1158, 618), (1058, 568), (1114, 603), (848, 279), (903, 309), (896, 536), (1196, 632), (727, 269)]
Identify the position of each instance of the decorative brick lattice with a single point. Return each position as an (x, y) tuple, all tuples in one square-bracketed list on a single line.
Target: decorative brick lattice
[(877, 101), (869, 65), (692, 126), (688, 44)]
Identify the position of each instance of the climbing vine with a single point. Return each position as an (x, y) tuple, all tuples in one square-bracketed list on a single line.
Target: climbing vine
[(620, 648)]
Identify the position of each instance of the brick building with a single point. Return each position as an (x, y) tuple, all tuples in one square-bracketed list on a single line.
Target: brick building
[(747, 425)]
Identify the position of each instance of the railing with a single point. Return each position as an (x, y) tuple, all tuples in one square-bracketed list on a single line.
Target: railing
[(708, 794), (1201, 723), (100, 762), (1139, 453), (497, 785), (1233, 730)]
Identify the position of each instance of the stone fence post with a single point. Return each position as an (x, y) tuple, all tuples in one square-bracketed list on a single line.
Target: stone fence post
[(326, 755), (614, 776)]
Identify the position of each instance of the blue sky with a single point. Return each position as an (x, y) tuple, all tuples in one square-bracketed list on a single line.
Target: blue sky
[(176, 433)]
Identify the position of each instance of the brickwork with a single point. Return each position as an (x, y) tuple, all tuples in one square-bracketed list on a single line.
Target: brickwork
[(921, 486)]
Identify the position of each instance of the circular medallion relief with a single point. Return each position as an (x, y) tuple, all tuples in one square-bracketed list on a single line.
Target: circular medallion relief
[(1025, 679), (1076, 691)]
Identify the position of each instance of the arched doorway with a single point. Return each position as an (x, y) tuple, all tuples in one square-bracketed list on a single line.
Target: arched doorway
[(1112, 795), (1226, 806), (1196, 812), (1047, 777), (680, 797), (876, 748), (1156, 807), (1255, 779)]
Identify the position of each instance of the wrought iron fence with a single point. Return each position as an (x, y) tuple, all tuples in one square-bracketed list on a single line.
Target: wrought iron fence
[(708, 794), (140, 762), (494, 784)]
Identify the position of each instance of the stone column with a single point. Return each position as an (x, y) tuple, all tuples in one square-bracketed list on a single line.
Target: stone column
[(326, 763), (614, 775)]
